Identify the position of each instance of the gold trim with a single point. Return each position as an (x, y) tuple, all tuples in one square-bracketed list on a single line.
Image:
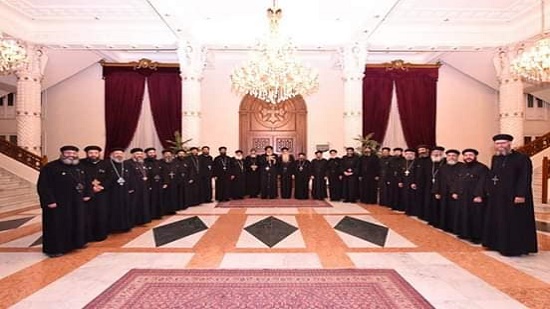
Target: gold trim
[(402, 65), (141, 64)]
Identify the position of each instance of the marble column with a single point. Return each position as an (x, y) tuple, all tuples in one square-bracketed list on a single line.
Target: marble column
[(353, 60), (511, 100), (192, 59), (28, 102)]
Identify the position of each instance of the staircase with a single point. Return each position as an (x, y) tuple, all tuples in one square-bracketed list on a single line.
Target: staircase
[(16, 193)]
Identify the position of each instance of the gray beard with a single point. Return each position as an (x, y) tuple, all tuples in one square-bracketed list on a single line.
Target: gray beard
[(168, 160), (451, 162), (436, 159), (116, 160), (69, 161)]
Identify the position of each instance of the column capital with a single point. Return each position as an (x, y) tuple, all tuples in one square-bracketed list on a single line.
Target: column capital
[(192, 59), (353, 59), (502, 63), (35, 66)]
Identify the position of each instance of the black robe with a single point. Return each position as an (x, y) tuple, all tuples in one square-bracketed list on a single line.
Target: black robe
[(97, 208), (369, 171), (350, 183), (510, 228), (423, 187), (252, 168), (396, 169), (268, 176), (64, 226), (432, 205), (238, 179), (319, 181), (222, 173), (286, 170), (334, 173), (170, 180), (446, 187), (118, 191), (206, 165), (383, 186), (155, 184), (470, 216), (407, 192), (139, 196), (302, 174), (191, 179)]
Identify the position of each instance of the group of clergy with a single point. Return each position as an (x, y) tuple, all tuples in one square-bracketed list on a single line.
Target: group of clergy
[(83, 200)]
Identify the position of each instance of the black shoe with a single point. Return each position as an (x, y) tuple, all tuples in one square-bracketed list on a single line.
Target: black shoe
[(54, 255)]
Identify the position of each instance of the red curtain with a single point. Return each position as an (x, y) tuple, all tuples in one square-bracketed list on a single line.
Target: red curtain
[(377, 95), (416, 90), (123, 99), (165, 94)]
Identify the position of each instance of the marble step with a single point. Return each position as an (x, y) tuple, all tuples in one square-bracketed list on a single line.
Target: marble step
[(542, 208), (543, 222), (18, 192)]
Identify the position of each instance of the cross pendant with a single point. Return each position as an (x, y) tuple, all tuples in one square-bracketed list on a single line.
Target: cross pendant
[(495, 180)]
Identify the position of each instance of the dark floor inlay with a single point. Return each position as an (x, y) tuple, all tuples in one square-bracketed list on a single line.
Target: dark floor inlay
[(368, 231), (15, 223), (271, 230), (37, 242), (178, 230)]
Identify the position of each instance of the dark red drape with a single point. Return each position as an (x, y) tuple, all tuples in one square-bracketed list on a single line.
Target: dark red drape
[(123, 99), (416, 90), (165, 94), (377, 95)]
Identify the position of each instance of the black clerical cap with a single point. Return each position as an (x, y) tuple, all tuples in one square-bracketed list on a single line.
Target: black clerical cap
[(181, 150), (398, 149), (439, 148), (68, 148), (134, 150), (92, 147), (452, 151), (239, 151), (117, 149), (423, 146), (474, 151), (302, 153), (503, 137), (318, 151), (222, 148), (350, 148), (205, 147), (149, 149), (284, 148), (194, 148), (386, 148), (167, 150), (333, 151), (409, 150), (268, 147)]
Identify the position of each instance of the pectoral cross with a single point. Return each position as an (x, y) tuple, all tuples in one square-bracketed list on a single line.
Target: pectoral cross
[(96, 183), (171, 175), (495, 180)]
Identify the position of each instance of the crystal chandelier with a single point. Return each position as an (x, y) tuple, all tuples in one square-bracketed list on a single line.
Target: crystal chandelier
[(12, 55), (273, 74), (533, 65)]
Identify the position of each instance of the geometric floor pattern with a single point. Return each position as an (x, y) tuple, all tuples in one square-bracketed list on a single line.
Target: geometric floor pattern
[(446, 271)]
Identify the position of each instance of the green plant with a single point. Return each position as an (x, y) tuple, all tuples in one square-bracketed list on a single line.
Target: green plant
[(179, 143), (367, 142)]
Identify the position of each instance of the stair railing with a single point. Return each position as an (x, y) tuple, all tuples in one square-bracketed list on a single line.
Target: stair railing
[(22, 155)]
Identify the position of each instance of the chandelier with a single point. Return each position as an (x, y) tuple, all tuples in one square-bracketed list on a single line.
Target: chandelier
[(533, 65), (273, 74), (12, 55)]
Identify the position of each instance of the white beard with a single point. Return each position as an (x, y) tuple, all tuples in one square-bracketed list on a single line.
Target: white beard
[(451, 162), (436, 159), (116, 160)]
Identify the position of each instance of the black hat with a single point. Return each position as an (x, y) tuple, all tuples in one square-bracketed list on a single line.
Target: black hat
[(474, 151), (398, 149), (452, 151), (302, 153), (386, 148), (134, 150), (205, 147), (68, 148), (410, 150), (284, 148), (222, 147), (149, 149), (439, 148), (167, 150), (505, 137), (239, 151), (268, 147), (318, 151), (92, 147), (333, 151), (350, 148), (192, 148), (181, 150), (422, 146), (117, 149)]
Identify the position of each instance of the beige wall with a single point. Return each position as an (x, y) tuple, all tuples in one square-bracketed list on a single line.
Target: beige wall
[(467, 109)]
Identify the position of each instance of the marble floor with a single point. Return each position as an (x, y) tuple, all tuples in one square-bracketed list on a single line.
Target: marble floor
[(448, 272)]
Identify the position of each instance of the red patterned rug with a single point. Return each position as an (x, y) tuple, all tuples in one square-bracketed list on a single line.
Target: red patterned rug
[(319, 288), (270, 203)]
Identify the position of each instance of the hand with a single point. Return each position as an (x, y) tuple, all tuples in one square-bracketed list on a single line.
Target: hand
[(191, 181), (131, 191), (293, 177), (438, 196), (97, 189), (478, 199), (376, 178), (52, 205), (413, 186), (400, 185), (232, 177), (85, 199), (340, 177), (519, 200), (454, 196), (164, 186)]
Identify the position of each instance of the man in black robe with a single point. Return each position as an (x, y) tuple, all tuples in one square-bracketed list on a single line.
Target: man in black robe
[(396, 169), (334, 173), (286, 172), (268, 174), (431, 203), (140, 182), (447, 190), (97, 211), (319, 176), (471, 196), (121, 215), (384, 197), (369, 173), (238, 176), (510, 221), (222, 175), (423, 179), (302, 174), (63, 187), (350, 176), (252, 168), (191, 178), (206, 162), (169, 183), (181, 178), (155, 182), (408, 183)]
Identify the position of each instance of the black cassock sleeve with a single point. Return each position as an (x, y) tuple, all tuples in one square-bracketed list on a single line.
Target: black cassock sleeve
[(524, 176), (44, 186)]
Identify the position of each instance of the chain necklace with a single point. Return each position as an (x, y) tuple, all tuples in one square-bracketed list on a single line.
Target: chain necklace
[(120, 179)]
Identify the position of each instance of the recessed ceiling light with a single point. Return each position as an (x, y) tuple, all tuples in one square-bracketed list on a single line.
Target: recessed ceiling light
[(167, 15), (366, 31), (96, 17), (133, 46), (110, 46), (178, 30), (337, 19), (208, 18), (455, 48), (376, 16), (432, 48), (225, 46), (87, 46), (446, 19), (478, 48)]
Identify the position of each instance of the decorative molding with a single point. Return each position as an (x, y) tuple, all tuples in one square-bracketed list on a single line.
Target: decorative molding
[(352, 61), (143, 63), (403, 66)]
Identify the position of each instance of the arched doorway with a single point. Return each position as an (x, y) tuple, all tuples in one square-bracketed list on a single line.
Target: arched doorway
[(279, 125)]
